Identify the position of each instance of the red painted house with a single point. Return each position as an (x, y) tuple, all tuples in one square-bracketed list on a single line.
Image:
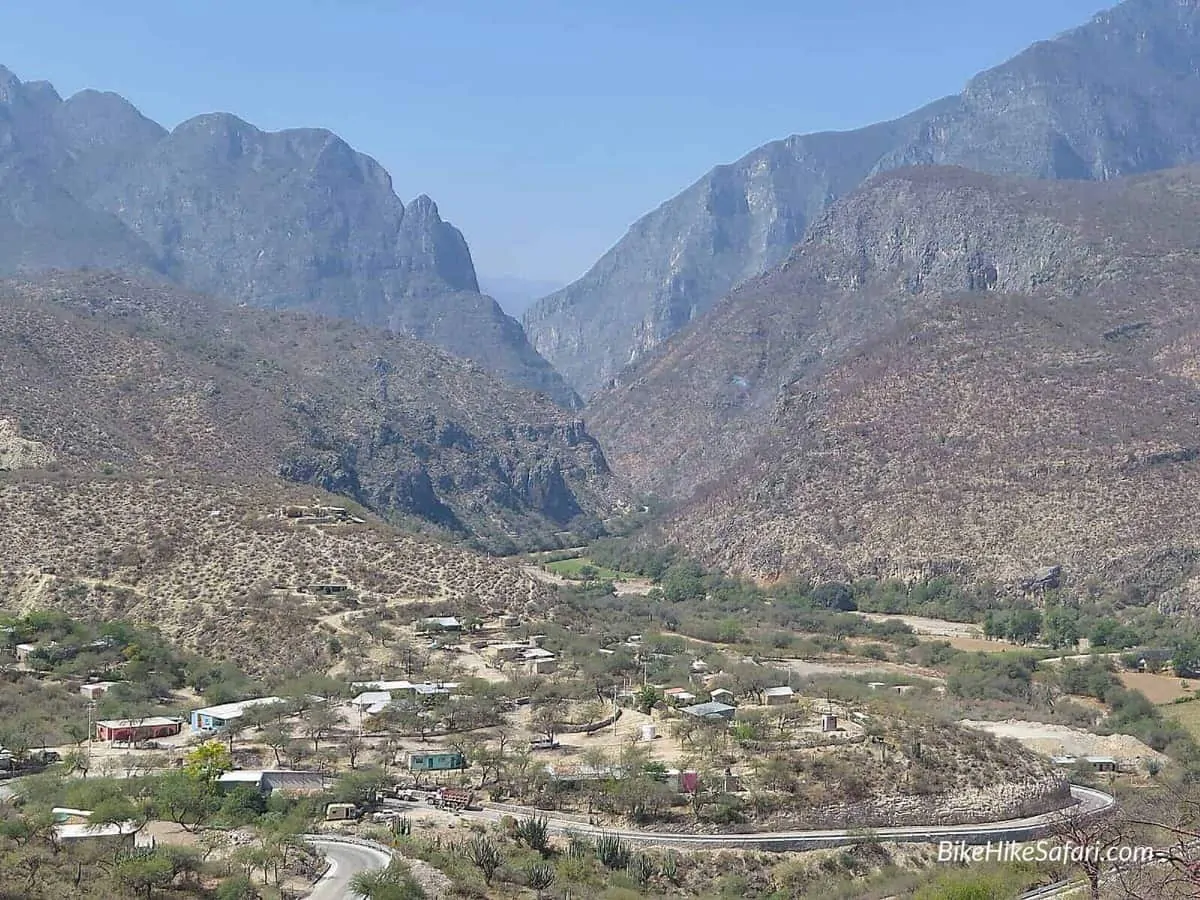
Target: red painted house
[(134, 730)]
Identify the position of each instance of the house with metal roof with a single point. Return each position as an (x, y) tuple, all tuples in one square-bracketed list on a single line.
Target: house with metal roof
[(777, 696), (710, 710), (214, 718)]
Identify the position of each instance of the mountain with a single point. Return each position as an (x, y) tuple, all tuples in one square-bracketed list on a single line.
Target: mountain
[(105, 372), (953, 373), (1119, 95), (294, 219), (515, 294)]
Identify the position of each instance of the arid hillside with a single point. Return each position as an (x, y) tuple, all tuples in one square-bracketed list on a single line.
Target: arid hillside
[(111, 374), (954, 372), (215, 566)]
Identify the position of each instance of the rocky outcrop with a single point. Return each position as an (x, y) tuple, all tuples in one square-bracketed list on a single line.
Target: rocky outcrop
[(113, 373), (997, 803), (1116, 96), (17, 452)]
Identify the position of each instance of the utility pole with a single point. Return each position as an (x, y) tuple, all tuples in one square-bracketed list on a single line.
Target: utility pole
[(90, 729)]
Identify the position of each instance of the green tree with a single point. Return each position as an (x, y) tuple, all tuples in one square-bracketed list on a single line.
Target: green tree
[(647, 697), (834, 595), (141, 874), (319, 722), (208, 762), (239, 887), (358, 787), (1060, 627), (182, 799), (1186, 657), (683, 582), (1024, 625)]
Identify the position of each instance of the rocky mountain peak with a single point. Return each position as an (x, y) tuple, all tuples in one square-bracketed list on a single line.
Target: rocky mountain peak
[(290, 219), (1117, 95)]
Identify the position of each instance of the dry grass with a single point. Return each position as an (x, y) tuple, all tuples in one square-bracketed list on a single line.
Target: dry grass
[(1186, 714), (1160, 688)]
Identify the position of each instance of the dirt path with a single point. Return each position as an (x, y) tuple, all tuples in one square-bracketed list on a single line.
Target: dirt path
[(545, 577), (923, 625), (808, 667)]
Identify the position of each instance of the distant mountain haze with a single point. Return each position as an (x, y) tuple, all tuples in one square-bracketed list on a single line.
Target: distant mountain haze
[(1118, 95), (294, 219), (514, 293)]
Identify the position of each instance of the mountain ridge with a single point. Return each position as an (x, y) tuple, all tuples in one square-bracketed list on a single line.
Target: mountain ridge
[(1117, 95), (107, 371), (953, 373), (288, 219)]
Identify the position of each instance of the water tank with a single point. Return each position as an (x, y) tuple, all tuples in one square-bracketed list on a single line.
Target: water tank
[(648, 732)]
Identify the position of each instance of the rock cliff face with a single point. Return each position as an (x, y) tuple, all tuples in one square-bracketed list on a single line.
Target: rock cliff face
[(105, 372), (952, 373), (1119, 95), (295, 219)]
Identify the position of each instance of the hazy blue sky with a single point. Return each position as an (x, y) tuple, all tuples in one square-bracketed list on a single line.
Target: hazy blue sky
[(542, 129)]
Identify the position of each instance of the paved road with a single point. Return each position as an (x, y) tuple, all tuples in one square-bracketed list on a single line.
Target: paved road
[(346, 861), (1091, 802)]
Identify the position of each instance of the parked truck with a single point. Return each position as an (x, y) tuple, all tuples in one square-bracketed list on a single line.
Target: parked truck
[(453, 798), (341, 812)]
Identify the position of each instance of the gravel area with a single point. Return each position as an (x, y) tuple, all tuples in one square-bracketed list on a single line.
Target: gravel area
[(1061, 740)]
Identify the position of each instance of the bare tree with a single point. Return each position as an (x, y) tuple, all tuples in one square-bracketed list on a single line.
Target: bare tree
[(1167, 817)]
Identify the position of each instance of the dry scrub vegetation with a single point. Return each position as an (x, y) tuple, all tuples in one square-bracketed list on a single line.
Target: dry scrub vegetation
[(104, 370), (953, 374), (211, 565)]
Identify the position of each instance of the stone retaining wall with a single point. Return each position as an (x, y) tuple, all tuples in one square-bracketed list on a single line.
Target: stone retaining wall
[(994, 803)]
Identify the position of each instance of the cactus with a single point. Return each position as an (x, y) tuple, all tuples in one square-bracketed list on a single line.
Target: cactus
[(641, 868), (483, 851), (612, 852), (670, 867), (539, 876), (534, 833)]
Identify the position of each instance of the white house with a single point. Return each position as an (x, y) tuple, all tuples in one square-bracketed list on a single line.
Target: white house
[(214, 718)]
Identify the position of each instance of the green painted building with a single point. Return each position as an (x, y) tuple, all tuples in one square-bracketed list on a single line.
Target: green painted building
[(436, 761)]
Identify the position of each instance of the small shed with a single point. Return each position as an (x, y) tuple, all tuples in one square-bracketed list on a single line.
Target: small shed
[(269, 781), (23, 651), (541, 665), (440, 623), (722, 695), (94, 690), (711, 710), (214, 718), (779, 696)]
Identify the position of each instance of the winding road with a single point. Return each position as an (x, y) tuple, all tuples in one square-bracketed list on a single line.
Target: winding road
[(346, 859), (1091, 802)]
